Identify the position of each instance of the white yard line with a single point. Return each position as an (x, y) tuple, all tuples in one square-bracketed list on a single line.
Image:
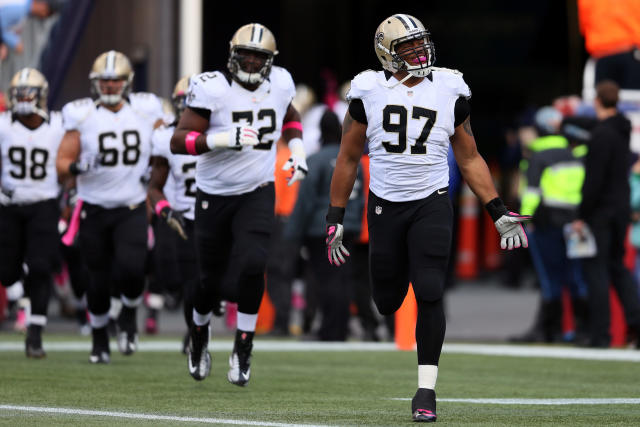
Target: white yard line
[(576, 401), (138, 416), (625, 355)]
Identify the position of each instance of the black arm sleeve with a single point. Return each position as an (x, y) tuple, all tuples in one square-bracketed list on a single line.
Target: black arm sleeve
[(356, 111), (462, 111), (202, 112)]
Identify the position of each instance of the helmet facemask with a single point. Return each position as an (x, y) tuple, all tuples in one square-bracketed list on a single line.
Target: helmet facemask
[(240, 68), (110, 99), (417, 60), (26, 100)]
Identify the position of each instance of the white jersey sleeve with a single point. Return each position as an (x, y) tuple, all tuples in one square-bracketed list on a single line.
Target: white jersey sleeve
[(75, 112), (159, 146), (362, 85), (207, 90), (281, 79), (147, 104)]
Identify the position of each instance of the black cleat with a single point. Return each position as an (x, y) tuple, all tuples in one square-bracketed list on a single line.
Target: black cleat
[(198, 357), (100, 352), (423, 406), (33, 342), (240, 359), (128, 331)]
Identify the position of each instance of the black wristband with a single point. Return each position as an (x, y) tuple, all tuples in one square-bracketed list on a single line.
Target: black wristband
[(335, 215), (496, 208), (73, 169)]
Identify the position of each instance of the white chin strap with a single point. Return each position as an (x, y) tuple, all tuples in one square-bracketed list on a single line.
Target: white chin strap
[(391, 85), (420, 72)]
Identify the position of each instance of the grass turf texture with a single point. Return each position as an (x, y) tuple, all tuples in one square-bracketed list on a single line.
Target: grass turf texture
[(341, 388)]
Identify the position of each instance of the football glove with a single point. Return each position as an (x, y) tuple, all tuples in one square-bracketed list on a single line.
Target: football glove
[(336, 251), (508, 224), (6, 193), (86, 162), (235, 138), (175, 220), (297, 161)]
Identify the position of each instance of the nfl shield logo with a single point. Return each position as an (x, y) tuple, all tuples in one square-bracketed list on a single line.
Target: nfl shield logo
[(378, 210), (205, 204)]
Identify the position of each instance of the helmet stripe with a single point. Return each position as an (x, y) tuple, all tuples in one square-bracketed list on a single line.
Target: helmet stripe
[(260, 35), (24, 76), (111, 61), (253, 32), (412, 21), (403, 20)]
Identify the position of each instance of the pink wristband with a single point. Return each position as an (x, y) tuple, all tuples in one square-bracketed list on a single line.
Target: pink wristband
[(190, 143), (292, 125), (161, 205)]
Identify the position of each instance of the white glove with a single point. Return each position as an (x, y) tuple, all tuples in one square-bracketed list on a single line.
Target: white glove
[(335, 249), (236, 137), (508, 224), (87, 162), (297, 161), (512, 233)]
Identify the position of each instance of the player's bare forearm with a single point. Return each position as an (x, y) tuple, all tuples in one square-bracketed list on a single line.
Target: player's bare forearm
[(159, 174), (190, 121), (351, 147), (472, 166), (293, 117), (68, 152)]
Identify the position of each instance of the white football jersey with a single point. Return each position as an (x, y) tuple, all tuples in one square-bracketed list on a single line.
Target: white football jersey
[(29, 158), (227, 171), (408, 131), (123, 139), (180, 188)]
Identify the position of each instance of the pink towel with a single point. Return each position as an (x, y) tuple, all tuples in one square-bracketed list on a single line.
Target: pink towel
[(74, 225)]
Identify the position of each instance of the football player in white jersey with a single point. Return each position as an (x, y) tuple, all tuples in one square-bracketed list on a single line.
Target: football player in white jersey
[(106, 148), (409, 113), (172, 194), (232, 120), (29, 139)]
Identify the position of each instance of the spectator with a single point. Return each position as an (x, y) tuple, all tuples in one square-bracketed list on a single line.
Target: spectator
[(554, 180), (332, 285), (12, 17), (606, 209), (634, 182)]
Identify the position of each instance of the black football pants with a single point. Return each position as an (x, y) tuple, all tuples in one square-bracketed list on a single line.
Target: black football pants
[(409, 242), (232, 244)]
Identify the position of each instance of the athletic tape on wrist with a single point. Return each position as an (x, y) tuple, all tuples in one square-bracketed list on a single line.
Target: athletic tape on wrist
[(161, 205), (190, 142)]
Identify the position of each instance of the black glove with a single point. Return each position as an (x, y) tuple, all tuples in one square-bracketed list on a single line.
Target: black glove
[(174, 220)]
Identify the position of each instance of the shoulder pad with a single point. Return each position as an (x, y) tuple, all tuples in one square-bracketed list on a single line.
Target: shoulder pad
[(55, 118), (75, 112), (281, 78), (453, 80), (5, 118), (205, 89), (362, 83), (147, 103)]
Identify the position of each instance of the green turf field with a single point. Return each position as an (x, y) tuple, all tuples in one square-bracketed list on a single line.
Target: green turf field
[(319, 388)]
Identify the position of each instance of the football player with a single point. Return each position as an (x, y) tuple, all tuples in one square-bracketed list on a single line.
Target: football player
[(29, 139), (409, 113), (172, 194), (232, 121), (106, 147)]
